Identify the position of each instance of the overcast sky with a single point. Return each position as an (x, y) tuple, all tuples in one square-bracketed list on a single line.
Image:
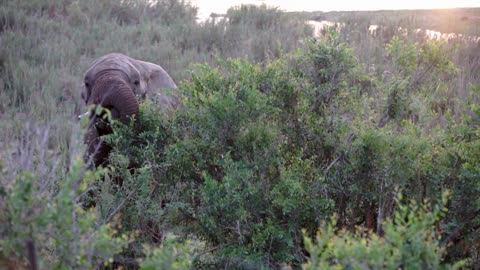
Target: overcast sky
[(220, 6)]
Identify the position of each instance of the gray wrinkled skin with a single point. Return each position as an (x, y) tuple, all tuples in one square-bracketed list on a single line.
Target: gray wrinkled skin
[(117, 82), (147, 79)]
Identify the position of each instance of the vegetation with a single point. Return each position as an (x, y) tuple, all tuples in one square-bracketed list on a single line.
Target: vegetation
[(458, 20), (288, 151), (408, 242)]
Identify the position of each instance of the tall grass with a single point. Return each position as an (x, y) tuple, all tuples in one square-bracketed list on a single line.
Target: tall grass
[(47, 45), (411, 26)]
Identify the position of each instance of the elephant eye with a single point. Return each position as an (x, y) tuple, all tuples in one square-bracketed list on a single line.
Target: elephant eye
[(136, 82), (87, 85)]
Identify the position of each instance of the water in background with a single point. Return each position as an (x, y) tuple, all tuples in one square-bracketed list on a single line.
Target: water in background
[(206, 7)]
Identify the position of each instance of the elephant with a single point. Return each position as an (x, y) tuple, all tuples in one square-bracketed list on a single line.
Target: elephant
[(118, 82)]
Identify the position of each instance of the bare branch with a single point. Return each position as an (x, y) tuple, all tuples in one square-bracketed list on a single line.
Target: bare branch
[(119, 207), (208, 251)]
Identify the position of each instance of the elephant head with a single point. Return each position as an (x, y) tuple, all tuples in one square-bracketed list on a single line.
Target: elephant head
[(117, 82)]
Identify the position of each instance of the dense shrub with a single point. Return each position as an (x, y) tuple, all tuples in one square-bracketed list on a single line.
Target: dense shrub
[(258, 153), (410, 241), (42, 223), (224, 175)]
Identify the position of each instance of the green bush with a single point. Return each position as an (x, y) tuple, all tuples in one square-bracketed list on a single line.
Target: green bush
[(43, 221), (410, 241), (171, 255), (257, 153), (221, 170)]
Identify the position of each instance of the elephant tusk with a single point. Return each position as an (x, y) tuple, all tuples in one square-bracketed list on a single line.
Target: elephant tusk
[(81, 116)]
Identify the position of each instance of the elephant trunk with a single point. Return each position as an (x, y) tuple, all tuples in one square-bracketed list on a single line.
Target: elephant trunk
[(111, 91)]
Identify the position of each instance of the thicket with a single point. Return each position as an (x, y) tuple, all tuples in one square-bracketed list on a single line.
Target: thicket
[(293, 156)]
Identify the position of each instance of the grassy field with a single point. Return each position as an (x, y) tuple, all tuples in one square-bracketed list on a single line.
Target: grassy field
[(289, 152)]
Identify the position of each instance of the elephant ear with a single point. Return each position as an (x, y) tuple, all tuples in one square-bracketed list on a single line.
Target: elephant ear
[(159, 86), (155, 77)]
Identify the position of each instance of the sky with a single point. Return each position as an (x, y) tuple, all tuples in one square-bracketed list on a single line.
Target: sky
[(220, 6)]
